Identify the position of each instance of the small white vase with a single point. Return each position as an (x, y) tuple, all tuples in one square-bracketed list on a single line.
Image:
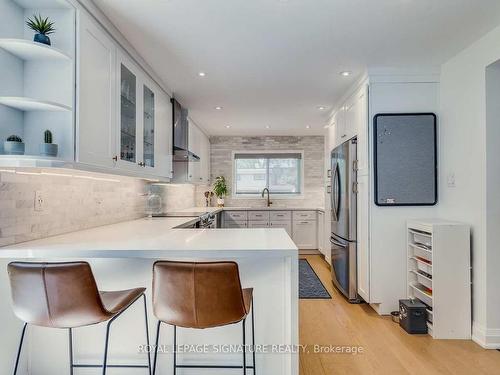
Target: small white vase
[(220, 202)]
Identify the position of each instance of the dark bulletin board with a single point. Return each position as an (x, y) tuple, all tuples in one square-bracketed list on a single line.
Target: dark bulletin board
[(405, 147)]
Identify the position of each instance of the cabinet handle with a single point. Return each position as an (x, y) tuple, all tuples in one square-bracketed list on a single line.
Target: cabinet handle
[(280, 215), (304, 222), (115, 158)]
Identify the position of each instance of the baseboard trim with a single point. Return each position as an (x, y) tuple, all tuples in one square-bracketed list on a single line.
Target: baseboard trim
[(486, 338)]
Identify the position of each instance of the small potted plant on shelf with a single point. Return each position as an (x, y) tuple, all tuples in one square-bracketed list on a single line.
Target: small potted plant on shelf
[(43, 27), (13, 145), (48, 148), (220, 190)]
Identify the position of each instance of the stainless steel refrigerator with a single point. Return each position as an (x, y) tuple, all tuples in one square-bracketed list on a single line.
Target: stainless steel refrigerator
[(343, 199)]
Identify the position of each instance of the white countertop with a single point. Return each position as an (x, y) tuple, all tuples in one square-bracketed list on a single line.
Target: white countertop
[(154, 238), (275, 208)]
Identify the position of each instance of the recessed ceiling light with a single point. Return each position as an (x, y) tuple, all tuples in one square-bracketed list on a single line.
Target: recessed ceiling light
[(308, 126), (345, 73), (321, 107), (202, 74), (268, 127), (228, 126), (218, 108)]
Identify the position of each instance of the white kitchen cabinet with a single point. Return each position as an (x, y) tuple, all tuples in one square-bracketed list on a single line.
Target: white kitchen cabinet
[(124, 117), (96, 125), (194, 167), (130, 106), (287, 225), (363, 246), (361, 110), (205, 159), (258, 224), (157, 130), (236, 224), (258, 215), (321, 232), (199, 144), (304, 234)]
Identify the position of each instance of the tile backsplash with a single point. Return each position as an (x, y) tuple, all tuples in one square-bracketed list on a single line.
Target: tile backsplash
[(73, 201), (313, 147)]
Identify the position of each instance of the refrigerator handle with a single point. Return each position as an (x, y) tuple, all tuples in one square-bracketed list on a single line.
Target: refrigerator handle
[(335, 242), (337, 192)]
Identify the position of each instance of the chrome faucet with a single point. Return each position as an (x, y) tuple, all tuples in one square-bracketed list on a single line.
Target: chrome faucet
[(269, 203)]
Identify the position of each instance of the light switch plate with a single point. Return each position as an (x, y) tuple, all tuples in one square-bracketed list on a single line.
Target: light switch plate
[(451, 180)]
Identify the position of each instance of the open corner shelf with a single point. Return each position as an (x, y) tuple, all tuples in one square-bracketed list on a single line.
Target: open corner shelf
[(31, 161), (28, 50), (29, 104)]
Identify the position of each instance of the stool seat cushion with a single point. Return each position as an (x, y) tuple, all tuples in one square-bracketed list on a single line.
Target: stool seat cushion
[(117, 301), (199, 294)]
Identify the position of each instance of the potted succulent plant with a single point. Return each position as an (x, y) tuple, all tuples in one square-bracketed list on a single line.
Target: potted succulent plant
[(48, 148), (13, 145), (220, 190), (43, 27)]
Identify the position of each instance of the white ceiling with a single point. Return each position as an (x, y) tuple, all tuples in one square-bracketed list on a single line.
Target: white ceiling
[(272, 62)]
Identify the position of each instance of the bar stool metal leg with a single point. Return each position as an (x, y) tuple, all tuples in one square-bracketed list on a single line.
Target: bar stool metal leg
[(156, 346), (175, 350), (20, 348), (147, 333), (253, 341), (244, 349), (70, 351)]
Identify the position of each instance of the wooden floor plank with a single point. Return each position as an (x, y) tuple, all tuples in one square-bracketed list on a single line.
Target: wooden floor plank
[(387, 349)]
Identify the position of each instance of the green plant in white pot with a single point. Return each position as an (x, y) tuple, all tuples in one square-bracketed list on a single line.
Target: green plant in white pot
[(48, 148), (13, 145), (220, 190)]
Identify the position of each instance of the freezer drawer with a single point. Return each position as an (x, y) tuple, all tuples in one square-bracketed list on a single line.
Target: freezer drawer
[(344, 273)]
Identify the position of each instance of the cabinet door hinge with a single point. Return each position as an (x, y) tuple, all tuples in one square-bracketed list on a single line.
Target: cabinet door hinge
[(355, 165), (355, 188)]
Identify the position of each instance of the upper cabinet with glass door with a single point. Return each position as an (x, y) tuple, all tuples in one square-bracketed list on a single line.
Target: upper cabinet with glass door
[(129, 108)]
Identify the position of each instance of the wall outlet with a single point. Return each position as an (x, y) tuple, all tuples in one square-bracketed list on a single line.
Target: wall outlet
[(450, 180), (39, 201)]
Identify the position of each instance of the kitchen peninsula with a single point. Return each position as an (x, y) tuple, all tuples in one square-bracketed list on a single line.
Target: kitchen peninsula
[(121, 256)]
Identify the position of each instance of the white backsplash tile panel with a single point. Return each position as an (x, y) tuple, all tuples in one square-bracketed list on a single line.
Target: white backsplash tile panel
[(313, 147), (72, 201)]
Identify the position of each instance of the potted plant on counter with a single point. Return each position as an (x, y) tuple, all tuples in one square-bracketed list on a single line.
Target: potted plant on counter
[(220, 190), (43, 27), (48, 148), (13, 145)]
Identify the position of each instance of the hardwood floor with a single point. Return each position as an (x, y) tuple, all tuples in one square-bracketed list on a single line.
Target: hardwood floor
[(387, 349)]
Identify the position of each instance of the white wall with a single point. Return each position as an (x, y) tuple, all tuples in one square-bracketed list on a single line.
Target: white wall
[(388, 257), (468, 152)]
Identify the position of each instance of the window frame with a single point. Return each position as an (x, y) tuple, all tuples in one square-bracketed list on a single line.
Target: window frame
[(235, 195)]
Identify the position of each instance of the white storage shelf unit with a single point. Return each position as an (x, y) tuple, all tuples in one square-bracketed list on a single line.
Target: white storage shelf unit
[(439, 275), (37, 90)]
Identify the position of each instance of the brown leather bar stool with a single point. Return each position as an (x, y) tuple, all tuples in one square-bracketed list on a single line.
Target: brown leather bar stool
[(65, 295), (200, 295)]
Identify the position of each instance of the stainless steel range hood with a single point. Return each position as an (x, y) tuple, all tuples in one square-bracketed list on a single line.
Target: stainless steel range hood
[(181, 134)]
